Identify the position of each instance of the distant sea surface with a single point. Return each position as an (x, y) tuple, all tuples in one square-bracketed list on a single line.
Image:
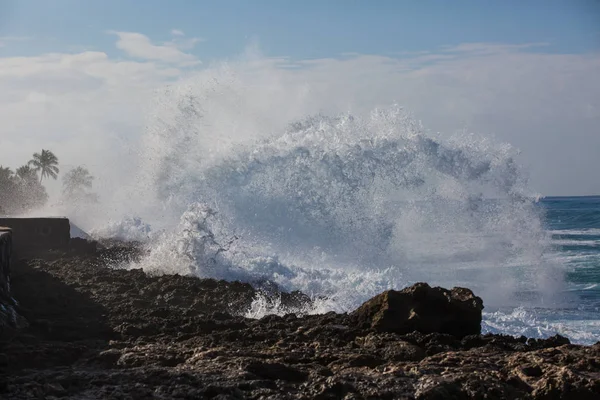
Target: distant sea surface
[(573, 224)]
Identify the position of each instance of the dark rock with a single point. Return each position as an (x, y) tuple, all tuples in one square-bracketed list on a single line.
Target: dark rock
[(442, 389), (83, 246), (532, 370), (425, 309), (391, 347), (553, 341), (334, 389), (276, 371), (98, 332), (358, 361), (108, 358)]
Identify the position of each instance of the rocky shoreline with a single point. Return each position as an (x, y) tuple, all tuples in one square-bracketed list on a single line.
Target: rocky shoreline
[(101, 333)]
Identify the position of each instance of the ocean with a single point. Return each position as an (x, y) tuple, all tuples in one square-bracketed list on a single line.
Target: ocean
[(573, 223)]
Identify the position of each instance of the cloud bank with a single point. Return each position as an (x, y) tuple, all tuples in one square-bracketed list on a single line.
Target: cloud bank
[(91, 108), (140, 46)]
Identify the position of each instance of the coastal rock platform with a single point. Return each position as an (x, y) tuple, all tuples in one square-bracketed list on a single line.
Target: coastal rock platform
[(97, 332)]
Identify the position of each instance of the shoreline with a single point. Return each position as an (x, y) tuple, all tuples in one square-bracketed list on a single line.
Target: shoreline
[(101, 333)]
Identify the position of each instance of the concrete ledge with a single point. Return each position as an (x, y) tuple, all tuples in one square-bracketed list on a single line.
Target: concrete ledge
[(31, 236)]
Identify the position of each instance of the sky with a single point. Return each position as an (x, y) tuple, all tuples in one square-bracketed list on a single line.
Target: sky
[(82, 77)]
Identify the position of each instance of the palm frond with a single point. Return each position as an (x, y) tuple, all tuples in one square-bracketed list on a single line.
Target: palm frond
[(46, 162)]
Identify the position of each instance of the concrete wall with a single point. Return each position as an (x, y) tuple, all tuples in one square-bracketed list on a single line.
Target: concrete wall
[(10, 320), (5, 257), (36, 235)]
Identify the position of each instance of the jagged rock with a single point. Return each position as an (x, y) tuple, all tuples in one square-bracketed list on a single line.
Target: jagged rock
[(391, 347), (566, 372), (103, 333), (553, 341), (424, 309), (276, 371), (83, 246)]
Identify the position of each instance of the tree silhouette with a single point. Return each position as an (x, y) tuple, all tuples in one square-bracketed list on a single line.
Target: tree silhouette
[(45, 162), (26, 173), (7, 189), (75, 185), (29, 192), (20, 191), (5, 174)]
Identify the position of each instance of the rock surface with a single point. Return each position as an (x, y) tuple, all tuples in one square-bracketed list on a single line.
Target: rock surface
[(102, 333), (425, 309)]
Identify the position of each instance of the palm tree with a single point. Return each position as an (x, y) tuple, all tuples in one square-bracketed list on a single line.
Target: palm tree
[(76, 180), (46, 163), (5, 174), (29, 191), (26, 173), (7, 190)]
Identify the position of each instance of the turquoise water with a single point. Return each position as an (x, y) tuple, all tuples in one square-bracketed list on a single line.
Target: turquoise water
[(574, 223), (573, 226)]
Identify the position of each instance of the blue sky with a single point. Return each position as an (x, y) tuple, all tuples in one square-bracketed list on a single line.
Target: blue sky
[(303, 29), (80, 75)]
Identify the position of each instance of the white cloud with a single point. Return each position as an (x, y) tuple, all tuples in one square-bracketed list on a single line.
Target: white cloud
[(491, 48), (139, 46), (92, 109), (79, 105), (542, 103), (177, 32)]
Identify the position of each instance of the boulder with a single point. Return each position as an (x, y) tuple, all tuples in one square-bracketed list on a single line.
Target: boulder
[(424, 309)]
